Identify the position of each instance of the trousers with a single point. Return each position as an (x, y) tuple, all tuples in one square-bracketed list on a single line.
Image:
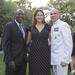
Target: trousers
[(59, 70)]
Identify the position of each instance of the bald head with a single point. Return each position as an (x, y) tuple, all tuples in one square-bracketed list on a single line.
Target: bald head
[(55, 10), (55, 15)]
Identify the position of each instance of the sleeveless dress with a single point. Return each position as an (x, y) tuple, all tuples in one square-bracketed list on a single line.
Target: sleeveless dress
[(39, 55)]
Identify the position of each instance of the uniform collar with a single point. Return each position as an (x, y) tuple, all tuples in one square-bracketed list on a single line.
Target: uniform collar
[(56, 21)]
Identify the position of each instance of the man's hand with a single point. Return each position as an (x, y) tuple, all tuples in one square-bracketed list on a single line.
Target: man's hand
[(11, 64), (63, 64)]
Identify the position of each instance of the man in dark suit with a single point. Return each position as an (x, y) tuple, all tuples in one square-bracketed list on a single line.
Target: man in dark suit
[(14, 46)]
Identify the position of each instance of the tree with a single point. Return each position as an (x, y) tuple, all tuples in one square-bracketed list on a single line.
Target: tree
[(1, 14), (23, 3), (7, 12), (26, 6), (66, 9)]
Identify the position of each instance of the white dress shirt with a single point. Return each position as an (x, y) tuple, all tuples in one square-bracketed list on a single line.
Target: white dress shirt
[(21, 28)]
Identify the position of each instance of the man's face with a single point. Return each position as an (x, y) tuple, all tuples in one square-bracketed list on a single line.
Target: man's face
[(20, 16), (54, 15)]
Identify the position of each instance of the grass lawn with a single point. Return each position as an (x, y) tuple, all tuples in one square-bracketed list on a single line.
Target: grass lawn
[(2, 66)]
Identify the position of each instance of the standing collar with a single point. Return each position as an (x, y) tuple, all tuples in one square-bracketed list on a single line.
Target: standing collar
[(56, 21)]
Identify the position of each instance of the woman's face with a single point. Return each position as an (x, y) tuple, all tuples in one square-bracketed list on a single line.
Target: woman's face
[(39, 16)]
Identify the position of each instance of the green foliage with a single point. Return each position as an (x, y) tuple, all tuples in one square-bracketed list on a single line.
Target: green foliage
[(6, 13), (28, 17), (8, 8), (74, 27), (23, 3), (1, 14), (66, 8), (26, 6)]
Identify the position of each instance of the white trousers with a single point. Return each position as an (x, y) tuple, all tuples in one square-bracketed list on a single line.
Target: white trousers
[(59, 70)]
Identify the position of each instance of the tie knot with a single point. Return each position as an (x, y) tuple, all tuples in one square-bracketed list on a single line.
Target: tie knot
[(20, 26)]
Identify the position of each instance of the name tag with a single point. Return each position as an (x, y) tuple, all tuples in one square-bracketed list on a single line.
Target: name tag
[(56, 29)]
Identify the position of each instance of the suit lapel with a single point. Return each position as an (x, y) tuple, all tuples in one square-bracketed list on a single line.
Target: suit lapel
[(17, 28), (25, 30)]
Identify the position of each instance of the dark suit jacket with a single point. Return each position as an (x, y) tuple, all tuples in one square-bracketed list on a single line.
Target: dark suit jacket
[(14, 45)]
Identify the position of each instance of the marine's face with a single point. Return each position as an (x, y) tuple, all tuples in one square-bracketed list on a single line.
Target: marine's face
[(20, 16), (54, 15), (39, 16)]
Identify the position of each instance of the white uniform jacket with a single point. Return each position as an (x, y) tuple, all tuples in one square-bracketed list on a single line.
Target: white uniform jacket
[(61, 43)]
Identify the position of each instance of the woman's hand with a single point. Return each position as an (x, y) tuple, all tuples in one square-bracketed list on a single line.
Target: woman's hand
[(11, 64)]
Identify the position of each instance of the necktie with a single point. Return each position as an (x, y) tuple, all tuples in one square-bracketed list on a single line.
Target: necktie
[(21, 28)]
